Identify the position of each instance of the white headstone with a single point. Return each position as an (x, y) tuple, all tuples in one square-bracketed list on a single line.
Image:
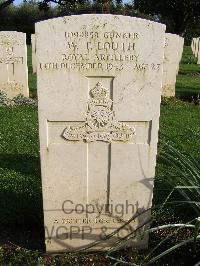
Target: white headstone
[(99, 92), (171, 64), (180, 52), (195, 42), (33, 46), (198, 51), (13, 63), (196, 47), (192, 45)]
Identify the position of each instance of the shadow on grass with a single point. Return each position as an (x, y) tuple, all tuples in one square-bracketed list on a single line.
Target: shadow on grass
[(188, 96), (22, 163), (21, 213)]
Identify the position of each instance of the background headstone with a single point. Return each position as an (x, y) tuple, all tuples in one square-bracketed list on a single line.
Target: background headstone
[(13, 63), (180, 52), (198, 51), (171, 64), (192, 45), (99, 91), (33, 46), (196, 47)]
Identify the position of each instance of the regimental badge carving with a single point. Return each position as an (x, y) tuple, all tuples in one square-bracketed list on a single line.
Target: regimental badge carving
[(100, 124)]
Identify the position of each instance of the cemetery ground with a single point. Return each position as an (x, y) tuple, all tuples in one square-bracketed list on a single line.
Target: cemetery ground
[(176, 193)]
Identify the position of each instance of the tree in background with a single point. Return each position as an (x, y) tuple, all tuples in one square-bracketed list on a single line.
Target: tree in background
[(176, 14), (181, 16), (70, 7), (5, 3), (192, 30), (74, 7), (23, 17)]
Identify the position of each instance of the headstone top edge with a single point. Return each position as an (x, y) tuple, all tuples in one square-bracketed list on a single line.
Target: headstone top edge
[(173, 35), (162, 26), (12, 32)]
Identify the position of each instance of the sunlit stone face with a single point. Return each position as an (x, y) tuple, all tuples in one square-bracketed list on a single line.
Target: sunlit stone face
[(99, 89)]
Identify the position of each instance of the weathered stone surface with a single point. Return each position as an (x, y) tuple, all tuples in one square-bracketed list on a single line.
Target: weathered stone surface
[(99, 90), (193, 45), (33, 46), (171, 64), (13, 63), (198, 50), (196, 47), (180, 52)]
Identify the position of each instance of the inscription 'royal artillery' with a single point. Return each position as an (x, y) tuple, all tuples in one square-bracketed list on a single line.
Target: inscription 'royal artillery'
[(100, 124)]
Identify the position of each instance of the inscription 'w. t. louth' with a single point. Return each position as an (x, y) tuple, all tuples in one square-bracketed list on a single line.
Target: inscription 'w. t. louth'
[(100, 124)]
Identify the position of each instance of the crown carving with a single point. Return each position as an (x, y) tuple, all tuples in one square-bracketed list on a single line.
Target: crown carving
[(99, 91)]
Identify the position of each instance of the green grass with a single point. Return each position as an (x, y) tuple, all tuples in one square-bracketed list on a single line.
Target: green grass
[(188, 80), (32, 78), (20, 181), (187, 86), (188, 68), (180, 126), (188, 57)]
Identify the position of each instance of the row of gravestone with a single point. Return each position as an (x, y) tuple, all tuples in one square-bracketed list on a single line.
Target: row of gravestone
[(99, 80), (13, 63), (14, 73), (195, 45)]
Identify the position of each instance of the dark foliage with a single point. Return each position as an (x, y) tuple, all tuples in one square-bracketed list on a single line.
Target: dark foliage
[(176, 14)]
